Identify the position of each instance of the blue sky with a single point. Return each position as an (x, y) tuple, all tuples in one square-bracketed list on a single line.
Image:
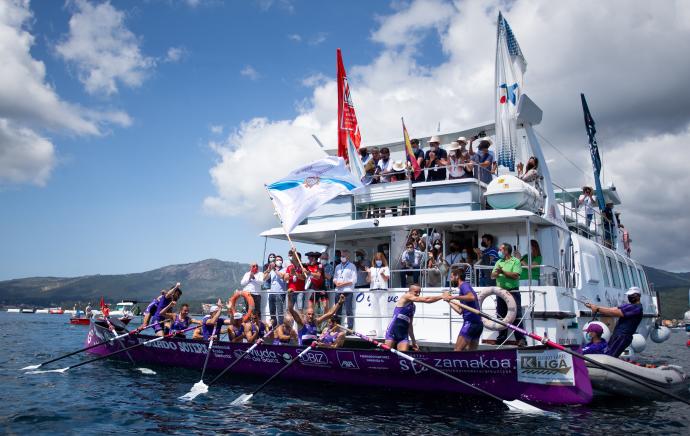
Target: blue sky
[(137, 134), (131, 199)]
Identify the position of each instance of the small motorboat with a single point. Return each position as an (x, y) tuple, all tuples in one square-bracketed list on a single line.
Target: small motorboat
[(669, 377), (25, 310), (56, 311), (79, 320)]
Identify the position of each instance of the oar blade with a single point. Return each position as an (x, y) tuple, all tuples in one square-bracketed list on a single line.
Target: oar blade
[(45, 371), (242, 399), (196, 390), (522, 407), (30, 367)]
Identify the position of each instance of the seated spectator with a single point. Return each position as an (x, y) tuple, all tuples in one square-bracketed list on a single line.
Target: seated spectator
[(531, 174), (411, 259), (437, 158), (419, 157), (483, 161), (595, 343), (536, 261), (587, 201), (385, 165)]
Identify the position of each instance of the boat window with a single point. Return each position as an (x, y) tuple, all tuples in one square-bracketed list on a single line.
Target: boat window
[(602, 265), (624, 271), (614, 272), (643, 279), (635, 279)]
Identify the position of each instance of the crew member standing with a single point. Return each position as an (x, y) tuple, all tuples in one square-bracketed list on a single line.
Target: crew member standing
[(507, 274), (630, 317)]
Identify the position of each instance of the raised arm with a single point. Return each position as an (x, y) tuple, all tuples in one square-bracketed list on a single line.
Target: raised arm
[(606, 311), (332, 311), (291, 308), (165, 312)]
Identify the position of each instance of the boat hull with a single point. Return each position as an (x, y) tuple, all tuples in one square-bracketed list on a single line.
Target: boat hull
[(80, 321), (501, 372)]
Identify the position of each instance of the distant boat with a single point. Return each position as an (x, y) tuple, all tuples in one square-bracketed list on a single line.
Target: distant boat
[(31, 310), (14, 310), (56, 310), (41, 311)]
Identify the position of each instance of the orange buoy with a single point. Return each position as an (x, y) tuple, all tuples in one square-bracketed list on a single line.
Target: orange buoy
[(250, 304)]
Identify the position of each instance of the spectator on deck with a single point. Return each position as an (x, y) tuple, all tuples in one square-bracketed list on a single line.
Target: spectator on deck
[(436, 157), (371, 168), (268, 267), (276, 298), (454, 257), (399, 172), (487, 257), (483, 161), (294, 275), (587, 201), (507, 274), (456, 168), (417, 240), (344, 280), (252, 282), (385, 165), (328, 270), (419, 157), (609, 225), (626, 238), (309, 296), (536, 262), (433, 269), (361, 264), (595, 343), (531, 174), (410, 260)]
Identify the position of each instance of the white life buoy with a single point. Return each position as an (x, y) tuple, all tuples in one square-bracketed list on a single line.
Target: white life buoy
[(659, 334), (505, 296), (638, 343)]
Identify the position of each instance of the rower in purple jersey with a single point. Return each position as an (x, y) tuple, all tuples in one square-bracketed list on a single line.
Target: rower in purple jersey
[(166, 300), (400, 329), (212, 323), (151, 308), (238, 329), (178, 321), (472, 326), (284, 333), (332, 336), (307, 324)]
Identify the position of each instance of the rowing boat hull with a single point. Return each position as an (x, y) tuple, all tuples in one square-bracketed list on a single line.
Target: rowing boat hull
[(536, 374)]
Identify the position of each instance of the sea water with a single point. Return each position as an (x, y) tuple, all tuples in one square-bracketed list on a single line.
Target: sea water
[(116, 397)]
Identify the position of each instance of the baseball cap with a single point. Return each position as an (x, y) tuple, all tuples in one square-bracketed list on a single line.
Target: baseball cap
[(594, 328), (634, 290), (237, 315)]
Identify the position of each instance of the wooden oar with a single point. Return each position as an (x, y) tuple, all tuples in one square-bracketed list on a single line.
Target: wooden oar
[(516, 405), (159, 338), (244, 398), (133, 332), (546, 341), (201, 388)]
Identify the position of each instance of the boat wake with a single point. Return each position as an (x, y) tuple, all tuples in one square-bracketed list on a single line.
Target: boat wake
[(198, 389), (44, 371)]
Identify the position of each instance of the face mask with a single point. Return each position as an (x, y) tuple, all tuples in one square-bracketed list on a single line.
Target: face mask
[(271, 259), (379, 263), (279, 263), (631, 299), (463, 255), (588, 337), (290, 258), (438, 247), (483, 244), (359, 258), (255, 269), (500, 255), (343, 259)]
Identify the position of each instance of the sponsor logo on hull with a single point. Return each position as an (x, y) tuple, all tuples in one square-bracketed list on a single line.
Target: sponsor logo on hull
[(547, 367)]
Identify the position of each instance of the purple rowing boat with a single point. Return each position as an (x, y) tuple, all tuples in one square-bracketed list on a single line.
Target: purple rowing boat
[(535, 374)]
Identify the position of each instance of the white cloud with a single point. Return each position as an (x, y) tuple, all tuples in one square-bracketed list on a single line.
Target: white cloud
[(104, 51), (175, 54), (624, 55), (285, 5), (319, 38), (295, 37), (25, 156), (250, 72), (28, 104), (315, 80), (216, 129)]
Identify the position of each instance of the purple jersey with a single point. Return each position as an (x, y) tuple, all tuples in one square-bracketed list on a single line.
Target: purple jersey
[(180, 323), (207, 330), (400, 324), (467, 316), (307, 334), (593, 348), (632, 316), (330, 337), (151, 308)]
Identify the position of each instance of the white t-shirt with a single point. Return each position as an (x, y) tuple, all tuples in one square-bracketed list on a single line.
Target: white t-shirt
[(385, 167), (345, 272), (378, 282), (253, 286), (588, 203)]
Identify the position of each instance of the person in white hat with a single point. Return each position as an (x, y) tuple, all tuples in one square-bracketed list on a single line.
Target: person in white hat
[(212, 323), (630, 317), (459, 165), (436, 157)]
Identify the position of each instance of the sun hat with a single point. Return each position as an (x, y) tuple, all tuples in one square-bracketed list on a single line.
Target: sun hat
[(455, 145), (398, 165), (434, 139), (462, 139)]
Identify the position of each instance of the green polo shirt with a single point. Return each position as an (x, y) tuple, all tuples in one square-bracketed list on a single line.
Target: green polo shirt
[(535, 270), (510, 265)]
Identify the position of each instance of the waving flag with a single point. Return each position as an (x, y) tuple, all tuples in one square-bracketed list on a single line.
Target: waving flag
[(594, 151), (347, 119), (410, 152), (510, 68), (307, 188), (355, 164)]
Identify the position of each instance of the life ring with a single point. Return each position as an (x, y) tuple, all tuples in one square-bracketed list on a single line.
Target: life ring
[(505, 296), (250, 304)]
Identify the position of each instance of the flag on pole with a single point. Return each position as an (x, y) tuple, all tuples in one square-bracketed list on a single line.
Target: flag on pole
[(593, 151), (307, 188), (355, 164), (510, 68), (347, 119), (410, 153)]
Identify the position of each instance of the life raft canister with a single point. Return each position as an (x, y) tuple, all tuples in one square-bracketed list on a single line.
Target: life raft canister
[(250, 304), (505, 296)]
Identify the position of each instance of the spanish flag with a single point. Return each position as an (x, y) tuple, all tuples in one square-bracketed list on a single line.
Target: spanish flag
[(410, 152)]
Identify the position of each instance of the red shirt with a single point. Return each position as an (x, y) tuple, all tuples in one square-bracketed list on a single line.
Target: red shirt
[(298, 284), (316, 283)]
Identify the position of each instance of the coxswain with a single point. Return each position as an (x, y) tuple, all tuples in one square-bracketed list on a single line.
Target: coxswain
[(237, 332), (630, 317), (170, 296), (332, 336), (400, 329), (180, 320), (213, 322), (307, 324), (472, 326), (595, 343), (284, 333), (151, 308)]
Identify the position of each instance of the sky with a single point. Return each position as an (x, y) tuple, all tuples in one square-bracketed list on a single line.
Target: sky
[(137, 134)]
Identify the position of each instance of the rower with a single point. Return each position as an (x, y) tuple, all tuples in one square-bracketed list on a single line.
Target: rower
[(332, 336), (595, 343), (213, 321), (172, 295), (285, 334), (257, 328), (151, 308), (179, 321), (400, 329), (630, 317), (472, 326), (307, 324), (237, 332)]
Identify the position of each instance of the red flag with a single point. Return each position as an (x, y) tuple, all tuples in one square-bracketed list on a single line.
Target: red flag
[(410, 152), (347, 120), (102, 303)]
